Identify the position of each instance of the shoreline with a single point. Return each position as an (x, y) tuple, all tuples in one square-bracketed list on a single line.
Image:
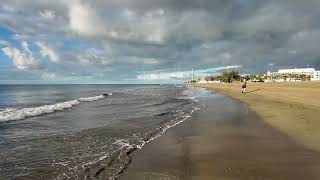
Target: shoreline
[(292, 108), (223, 140)]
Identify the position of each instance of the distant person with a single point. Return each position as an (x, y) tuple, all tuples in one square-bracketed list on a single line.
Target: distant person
[(244, 87)]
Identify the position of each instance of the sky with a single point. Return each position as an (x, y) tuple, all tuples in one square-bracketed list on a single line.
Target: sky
[(153, 41)]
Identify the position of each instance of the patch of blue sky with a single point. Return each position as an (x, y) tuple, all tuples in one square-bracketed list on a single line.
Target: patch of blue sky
[(6, 34), (78, 44)]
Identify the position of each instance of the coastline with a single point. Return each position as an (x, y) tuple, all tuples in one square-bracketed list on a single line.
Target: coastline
[(223, 140), (292, 108)]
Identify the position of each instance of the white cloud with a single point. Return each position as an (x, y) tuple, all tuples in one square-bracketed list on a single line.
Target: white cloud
[(156, 36), (183, 74), (83, 60), (164, 76), (47, 14), (4, 43), (48, 75), (146, 61), (128, 14), (169, 33), (292, 52), (226, 55), (150, 61), (151, 26), (21, 59), (93, 56), (48, 52), (306, 42), (84, 21), (20, 37), (107, 48), (132, 26), (272, 18)]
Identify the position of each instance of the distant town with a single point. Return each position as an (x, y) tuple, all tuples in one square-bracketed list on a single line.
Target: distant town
[(282, 75)]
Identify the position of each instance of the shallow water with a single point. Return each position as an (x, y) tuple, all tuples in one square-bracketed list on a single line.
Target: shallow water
[(83, 131), (223, 140)]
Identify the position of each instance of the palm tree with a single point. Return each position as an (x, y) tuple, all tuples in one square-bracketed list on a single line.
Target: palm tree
[(303, 77), (309, 78)]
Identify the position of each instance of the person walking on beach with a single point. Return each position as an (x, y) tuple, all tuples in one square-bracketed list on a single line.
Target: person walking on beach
[(244, 87)]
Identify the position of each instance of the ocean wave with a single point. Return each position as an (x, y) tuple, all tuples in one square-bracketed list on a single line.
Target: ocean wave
[(193, 98), (93, 98), (130, 144), (161, 114), (171, 124), (11, 114)]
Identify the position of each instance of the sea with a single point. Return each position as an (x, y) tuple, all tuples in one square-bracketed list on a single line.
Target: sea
[(83, 131)]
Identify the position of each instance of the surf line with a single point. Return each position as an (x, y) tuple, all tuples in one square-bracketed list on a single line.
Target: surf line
[(13, 114)]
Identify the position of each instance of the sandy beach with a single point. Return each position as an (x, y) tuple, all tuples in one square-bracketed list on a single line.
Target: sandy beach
[(224, 140), (292, 108)]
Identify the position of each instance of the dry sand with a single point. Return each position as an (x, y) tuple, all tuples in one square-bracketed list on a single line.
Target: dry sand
[(293, 108), (224, 140)]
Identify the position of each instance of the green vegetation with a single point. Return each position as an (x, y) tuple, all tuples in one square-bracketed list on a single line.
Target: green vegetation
[(227, 77), (291, 77), (234, 76)]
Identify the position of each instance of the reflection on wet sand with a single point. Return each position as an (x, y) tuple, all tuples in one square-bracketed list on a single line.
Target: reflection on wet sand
[(224, 140)]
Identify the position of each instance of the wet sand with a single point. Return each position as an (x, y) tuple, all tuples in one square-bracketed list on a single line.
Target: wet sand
[(224, 140), (292, 107)]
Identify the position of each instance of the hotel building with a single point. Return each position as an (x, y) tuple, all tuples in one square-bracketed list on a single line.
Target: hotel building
[(294, 74)]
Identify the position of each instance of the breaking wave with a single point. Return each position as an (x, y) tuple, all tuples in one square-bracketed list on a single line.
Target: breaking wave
[(10, 114), (94, 98)]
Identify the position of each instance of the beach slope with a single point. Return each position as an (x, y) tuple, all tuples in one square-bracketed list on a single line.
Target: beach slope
[(224, 140), (293, 108)]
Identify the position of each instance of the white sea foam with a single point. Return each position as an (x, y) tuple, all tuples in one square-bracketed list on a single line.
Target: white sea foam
[(10, 114), (193, 98), (168, 126), (17, 114), (125, 144), (93, 98)]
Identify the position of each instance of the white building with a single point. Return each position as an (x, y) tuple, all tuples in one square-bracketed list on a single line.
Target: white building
[(316, 75), (293, 74), (206, 79)]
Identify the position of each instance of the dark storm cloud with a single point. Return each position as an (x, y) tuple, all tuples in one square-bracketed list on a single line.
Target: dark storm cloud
[(130, 37)]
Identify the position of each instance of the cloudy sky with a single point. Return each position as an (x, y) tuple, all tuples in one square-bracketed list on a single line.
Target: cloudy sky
[(153, 41)]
